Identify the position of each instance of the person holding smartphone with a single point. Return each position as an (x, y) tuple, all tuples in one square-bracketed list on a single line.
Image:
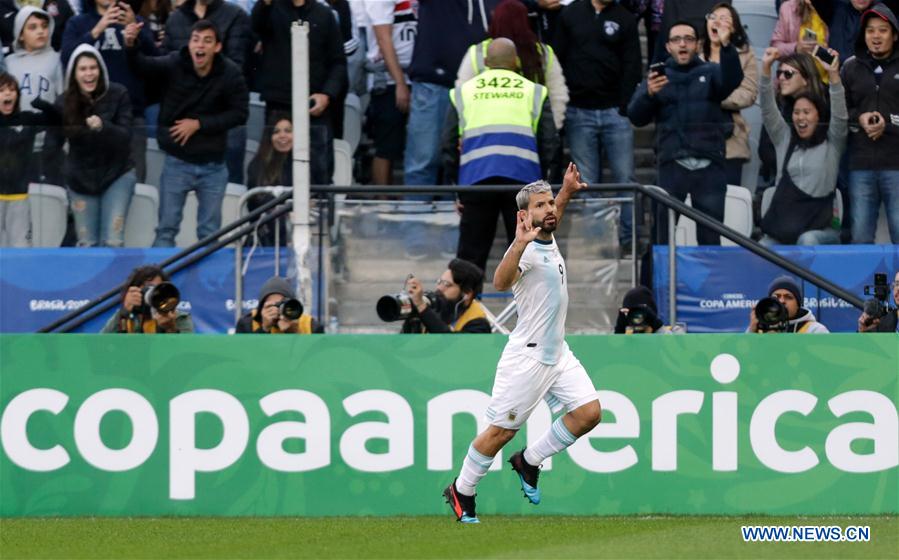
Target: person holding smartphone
[(872, 95), (801, 25)]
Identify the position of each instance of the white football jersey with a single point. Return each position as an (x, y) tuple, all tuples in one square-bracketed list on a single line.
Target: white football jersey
[(541, 295)]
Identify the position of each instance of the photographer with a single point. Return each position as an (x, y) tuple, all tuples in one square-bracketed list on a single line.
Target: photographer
[(781, 311), (278, 312), (639, 315), (145, 313), (454, 308), (888, 322)]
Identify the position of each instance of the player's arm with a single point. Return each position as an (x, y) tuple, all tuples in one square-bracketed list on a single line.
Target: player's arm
[(507, 273), (571, 184)]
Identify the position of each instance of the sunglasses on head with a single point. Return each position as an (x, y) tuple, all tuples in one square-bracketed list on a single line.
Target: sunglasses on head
[(786, 74)]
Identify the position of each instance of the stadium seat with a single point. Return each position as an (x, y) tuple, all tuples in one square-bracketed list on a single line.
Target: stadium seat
[(753, 117), (737, 216), (759, 17), (143, 216), (187, 236), (155, 161), (49, 205), (352, 121), (256, 118), (343, 163)]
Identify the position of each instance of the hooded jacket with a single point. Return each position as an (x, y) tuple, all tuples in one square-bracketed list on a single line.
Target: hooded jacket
[(327, 61), (97, 158), (863, 95), (687, 111), (111, 46), (232, 23), (39, 73), (275, 285), (446, 28), (219, 100), (805, 323), (17, 132)]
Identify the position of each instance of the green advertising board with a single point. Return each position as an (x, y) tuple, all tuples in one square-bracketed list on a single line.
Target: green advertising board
[(378, 425)]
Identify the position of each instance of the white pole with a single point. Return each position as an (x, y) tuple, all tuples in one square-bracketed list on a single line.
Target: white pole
[(299, 41)]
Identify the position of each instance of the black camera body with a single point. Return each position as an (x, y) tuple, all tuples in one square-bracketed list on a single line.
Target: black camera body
[(878, 306), (290, 308), (772, 315), (163, 297), (399, 307)]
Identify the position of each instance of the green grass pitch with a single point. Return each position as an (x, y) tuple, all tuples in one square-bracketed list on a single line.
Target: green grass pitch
[(429, 537)]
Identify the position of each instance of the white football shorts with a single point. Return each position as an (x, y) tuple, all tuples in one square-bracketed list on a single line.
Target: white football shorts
[(522, 382)]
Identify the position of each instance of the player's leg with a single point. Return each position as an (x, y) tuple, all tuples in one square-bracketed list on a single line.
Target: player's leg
[(575, 392), (519, 385)]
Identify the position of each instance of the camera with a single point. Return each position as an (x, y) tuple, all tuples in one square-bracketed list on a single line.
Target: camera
[(877, 307), (399, 307), (163, 297), (772, 315), (639, 319), (290, 308)]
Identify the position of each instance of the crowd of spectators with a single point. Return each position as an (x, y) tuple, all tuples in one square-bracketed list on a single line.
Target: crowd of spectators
[(100, 74)]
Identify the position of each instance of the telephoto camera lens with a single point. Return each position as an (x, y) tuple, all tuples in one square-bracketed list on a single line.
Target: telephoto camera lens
[(163, 297), (772, 315), (290, 308), (394, 307)]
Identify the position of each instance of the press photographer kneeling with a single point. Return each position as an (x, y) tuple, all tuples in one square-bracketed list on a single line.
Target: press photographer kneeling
[(781, 311), (878, 316), (279, 311), (638, 314), (149, 305), (452, 308)]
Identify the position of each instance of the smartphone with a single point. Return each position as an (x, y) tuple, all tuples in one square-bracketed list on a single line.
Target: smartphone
[(823, 55), (809, 35), (656, 69)]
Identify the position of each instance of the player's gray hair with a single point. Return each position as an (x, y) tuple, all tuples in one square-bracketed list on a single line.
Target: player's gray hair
[(523, 198)]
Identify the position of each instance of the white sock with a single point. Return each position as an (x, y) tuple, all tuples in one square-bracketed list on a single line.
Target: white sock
[(556, 439), (474, 467)]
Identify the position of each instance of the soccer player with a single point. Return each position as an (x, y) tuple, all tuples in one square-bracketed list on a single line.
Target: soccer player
[(536, 362)]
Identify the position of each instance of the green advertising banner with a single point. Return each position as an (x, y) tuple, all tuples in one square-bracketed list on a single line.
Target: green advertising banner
[(379, 425)]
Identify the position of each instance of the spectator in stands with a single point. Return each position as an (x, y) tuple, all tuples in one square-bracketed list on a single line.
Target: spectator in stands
[(801, 26), (796, 74), (497, 98), (737, 148), (445, 29), (61, 11), (799, 319), (650, 11), (457, 308), (808, 157), (390, 31), (37, 68), (233, 25), (101, 25), (684, 98), (888, 323), (17, 132), (156, 13), (99, 173), (845, 25), (271, 20), (350, 36), (137, 316), (599, 46), (545, 17), (273, 163), (872, 96), (692, 12), (205, 97), (271, 315)]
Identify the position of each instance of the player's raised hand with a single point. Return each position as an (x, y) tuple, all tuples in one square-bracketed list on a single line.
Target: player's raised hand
[(572, 180), (525, 231)]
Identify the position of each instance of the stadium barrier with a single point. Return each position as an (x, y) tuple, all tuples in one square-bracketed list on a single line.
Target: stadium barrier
[(378, 425)]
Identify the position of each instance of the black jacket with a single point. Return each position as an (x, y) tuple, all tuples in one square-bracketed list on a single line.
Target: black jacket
[(600, 55), (232, 23), (327, 61), (888, 323), (863, 95), (17, 132), (687, 111), (97, 158), (220, 102)]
